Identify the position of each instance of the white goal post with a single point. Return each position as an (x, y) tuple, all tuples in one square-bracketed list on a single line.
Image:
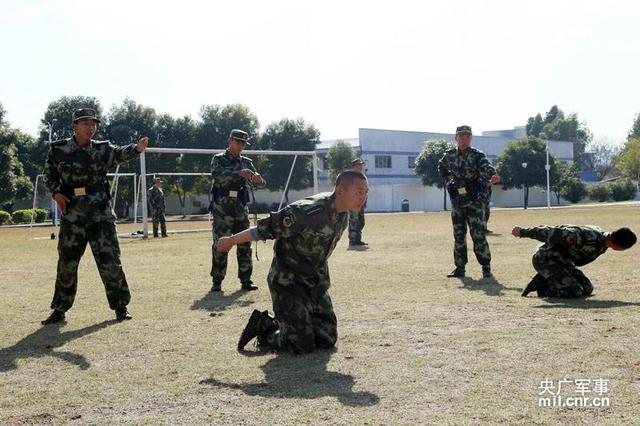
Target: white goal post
[(211, 152)]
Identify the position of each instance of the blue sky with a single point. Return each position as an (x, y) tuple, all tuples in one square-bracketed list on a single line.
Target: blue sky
[(405, 65)]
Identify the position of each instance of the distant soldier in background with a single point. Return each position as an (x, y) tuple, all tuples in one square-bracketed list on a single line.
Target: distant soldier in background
[(566, 247), (232, 174), (466, 171), (356, 220), (156, 204), (76, 175)]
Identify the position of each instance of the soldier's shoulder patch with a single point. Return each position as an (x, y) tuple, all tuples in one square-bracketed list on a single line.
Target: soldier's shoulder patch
[(570, 239)]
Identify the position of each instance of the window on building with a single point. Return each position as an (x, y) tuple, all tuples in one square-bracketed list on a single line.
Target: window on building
[(383, 161), (412, 161)]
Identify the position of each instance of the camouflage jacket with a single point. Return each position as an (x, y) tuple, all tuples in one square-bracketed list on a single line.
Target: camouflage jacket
[(306, 233), (471, 166), (156, 198), (579, 244), (70, 166), (224, 170)]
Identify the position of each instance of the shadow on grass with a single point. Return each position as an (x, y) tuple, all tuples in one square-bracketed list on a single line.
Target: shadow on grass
[(219, 301), (490, 286), (42, 343), (302, 376), (581, 303)]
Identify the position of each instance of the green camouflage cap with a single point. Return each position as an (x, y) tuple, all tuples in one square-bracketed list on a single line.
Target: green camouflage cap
[(85, 114), (463, 129), (240, 136), (157, 180), (357, 161)]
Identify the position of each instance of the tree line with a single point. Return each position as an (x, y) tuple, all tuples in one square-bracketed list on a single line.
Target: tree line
[(22, 156)]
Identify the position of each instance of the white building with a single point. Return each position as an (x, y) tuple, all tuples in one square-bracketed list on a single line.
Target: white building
[(389, 156)]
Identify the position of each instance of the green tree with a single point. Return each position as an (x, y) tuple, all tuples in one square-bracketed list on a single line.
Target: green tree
[(532, 152), (635, 129), (14, 184), (339, 158), (216, 122), (629, 159), (426, 165), (557, 126), (288, 135), (566, 183)]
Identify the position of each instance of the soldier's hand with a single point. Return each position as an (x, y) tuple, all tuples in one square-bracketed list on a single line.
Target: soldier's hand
[(62, 202), (515, 231), (256, 178), (142, 144), (246, 173), (494, 179), (224, 244)]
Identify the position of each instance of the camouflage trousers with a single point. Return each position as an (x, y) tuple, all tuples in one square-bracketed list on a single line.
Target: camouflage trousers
[(225, 224), (157, 218), (562, 277), (72, 242), (473, 217), (306, 321), (356, 224), (487, 212)]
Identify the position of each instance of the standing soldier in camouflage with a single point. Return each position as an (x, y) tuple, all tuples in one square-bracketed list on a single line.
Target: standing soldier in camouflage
[(564, 248), (306, 233), (156, 204), (466, 170), (232, 174), (356, 220), (76, 174)]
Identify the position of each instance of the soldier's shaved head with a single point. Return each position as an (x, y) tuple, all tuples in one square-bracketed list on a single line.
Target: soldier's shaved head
[(623, 238), (348, 177)]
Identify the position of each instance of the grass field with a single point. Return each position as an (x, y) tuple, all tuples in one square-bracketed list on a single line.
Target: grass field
[(414, 347)]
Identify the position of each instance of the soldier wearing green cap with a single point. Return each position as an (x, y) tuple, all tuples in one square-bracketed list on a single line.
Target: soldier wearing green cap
[(466, 171), (157, 207), (75, 173), (234, 176), (356, 220)]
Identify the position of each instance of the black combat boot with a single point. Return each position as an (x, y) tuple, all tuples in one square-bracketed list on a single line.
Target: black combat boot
[(456, 273), (54, 318), (248, 286), (534, 285), (258, 324), (217, 285), (486, 272), (122, 314)]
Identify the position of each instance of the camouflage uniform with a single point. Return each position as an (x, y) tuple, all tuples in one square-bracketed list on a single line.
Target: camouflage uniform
[(80, 173), (156, 204), (466, 173), (230, 195), (356, 224), (564, 248), (486, 198), (306, 233)]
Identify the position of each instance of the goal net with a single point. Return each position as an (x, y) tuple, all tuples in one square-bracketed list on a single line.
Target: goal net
[(286, 169)]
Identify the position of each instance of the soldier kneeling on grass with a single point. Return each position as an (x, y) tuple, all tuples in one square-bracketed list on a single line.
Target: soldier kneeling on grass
[(566, 247), (306, 233)]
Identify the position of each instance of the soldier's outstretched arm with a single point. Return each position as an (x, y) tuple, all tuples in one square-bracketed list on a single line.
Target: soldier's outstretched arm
[(224, 244), (121, 154), (543, 233)]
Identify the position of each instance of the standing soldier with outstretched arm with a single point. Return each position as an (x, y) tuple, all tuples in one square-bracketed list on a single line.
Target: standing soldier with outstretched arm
[(156, 204), (76, 174), (232, 173)]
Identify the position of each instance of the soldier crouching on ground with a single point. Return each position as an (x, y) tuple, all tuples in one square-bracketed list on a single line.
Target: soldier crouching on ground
[(564, 248), (76, 174), (305, 233)]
